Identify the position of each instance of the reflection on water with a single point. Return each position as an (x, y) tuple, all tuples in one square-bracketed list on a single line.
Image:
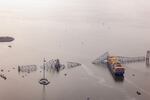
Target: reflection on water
[(44, 92)]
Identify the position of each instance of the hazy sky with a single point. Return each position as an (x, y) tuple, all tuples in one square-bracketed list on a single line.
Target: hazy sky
[(96, 24)]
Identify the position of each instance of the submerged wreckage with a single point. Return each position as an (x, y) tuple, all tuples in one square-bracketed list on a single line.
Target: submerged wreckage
[(56, 65), (53, 65), (27, 68)]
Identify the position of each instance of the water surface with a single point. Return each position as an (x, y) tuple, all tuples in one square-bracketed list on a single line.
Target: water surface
[(74, 30)]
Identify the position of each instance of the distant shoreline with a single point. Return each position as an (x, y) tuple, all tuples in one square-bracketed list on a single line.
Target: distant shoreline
[(6, 39)]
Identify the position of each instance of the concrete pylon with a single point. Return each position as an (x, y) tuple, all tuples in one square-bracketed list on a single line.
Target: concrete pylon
[(148, 58)]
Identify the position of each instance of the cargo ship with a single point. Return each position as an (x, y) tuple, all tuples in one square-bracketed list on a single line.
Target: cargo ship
[(115, 66)]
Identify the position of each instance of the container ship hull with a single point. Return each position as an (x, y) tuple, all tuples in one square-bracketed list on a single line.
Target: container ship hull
[(115, 67), (116, 74)]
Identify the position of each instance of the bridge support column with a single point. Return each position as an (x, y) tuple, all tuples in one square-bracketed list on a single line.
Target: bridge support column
[(147, 58)]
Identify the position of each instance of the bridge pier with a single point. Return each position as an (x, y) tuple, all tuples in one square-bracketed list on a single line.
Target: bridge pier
[(147, 58)]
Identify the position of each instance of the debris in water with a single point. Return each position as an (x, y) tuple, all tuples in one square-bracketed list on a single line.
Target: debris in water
[(138, 92), (10, 46), (2, 70), (3, 76), (65, 74)]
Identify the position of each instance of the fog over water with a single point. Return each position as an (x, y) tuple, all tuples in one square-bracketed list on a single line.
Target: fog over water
[(79, 31)]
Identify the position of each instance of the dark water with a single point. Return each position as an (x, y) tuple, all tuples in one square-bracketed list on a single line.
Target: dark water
[(79, 31)]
